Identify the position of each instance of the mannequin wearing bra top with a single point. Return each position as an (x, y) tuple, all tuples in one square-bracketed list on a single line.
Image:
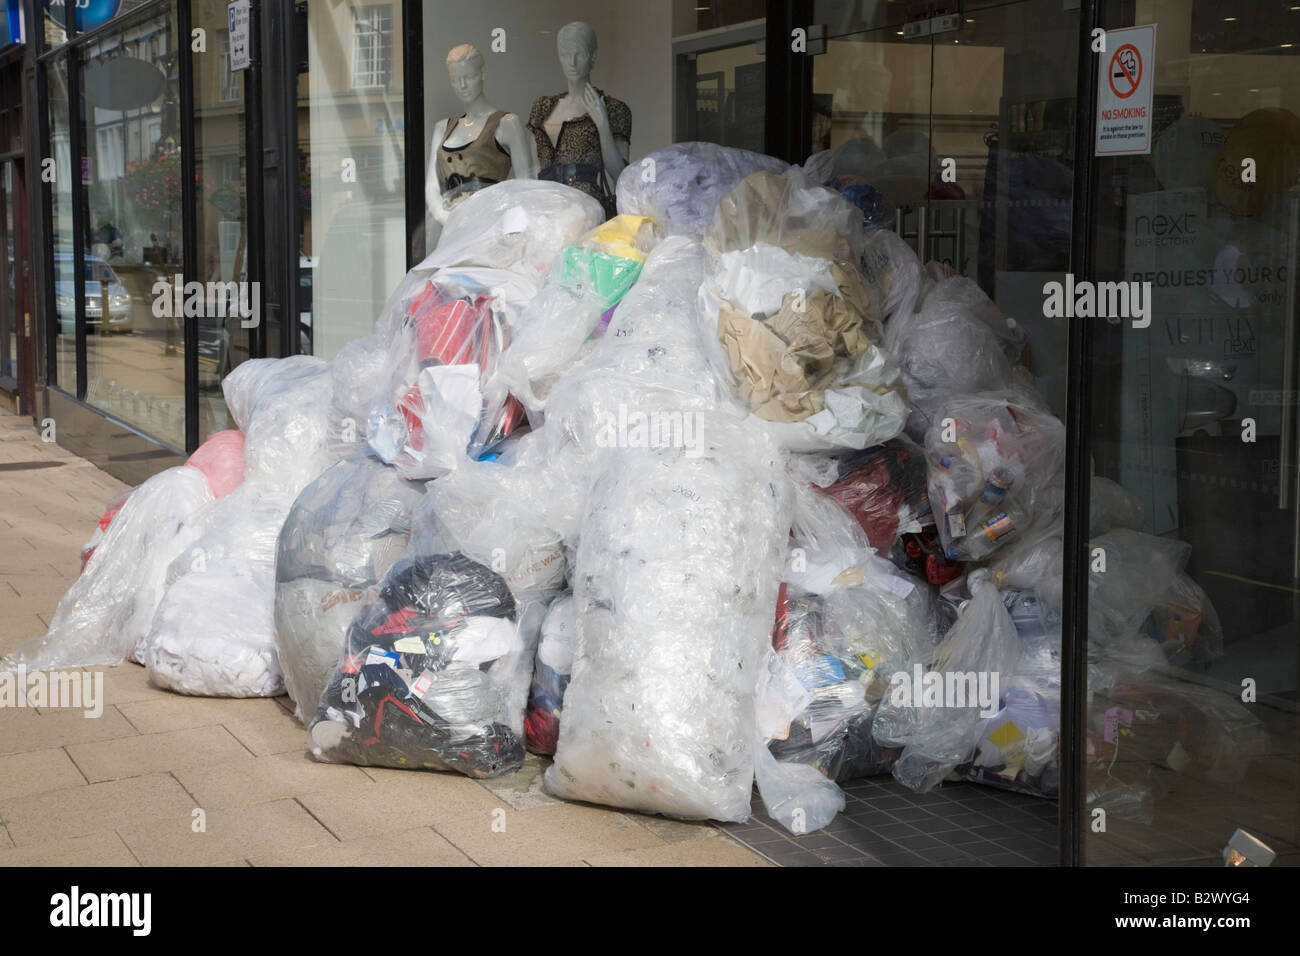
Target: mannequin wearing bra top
[(482, 146), (584, 127)]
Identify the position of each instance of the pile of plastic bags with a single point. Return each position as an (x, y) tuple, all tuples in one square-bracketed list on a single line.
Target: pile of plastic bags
[(712, 493)]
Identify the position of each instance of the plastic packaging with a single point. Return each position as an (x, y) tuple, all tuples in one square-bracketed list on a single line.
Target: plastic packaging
[(574, 307), (1111, 506), (646, 381), (885, 488), (344, 532), (110, 607), (1133, 574), (1185, 623), (939, 731), (993, 464), (110, 512), (551, 673), (791, 211), (895, 272), (221, 459), (519, 225), (956, 343), (423, 682), (446, 650), (680, 185), (284, 407), (212, 633), (445, 337), (675, 583)]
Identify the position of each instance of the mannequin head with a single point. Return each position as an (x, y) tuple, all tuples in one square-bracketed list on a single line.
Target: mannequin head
[(465, 70), (576, 44)]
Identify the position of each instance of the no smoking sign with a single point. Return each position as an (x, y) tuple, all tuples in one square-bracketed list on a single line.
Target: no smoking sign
[(1126, 71), (1124, 92)]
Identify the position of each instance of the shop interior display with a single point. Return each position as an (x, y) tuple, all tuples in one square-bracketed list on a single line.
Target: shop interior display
[(704, 487), (582, 136), (482, 146)]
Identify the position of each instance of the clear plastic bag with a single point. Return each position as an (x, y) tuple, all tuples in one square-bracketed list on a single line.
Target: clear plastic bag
[(993, 464), (446, 648), (551, 673), (646, 380), (895, 273), (286, 430), (213, 633), (885, 488), (680, 185), (1139, 569), (791, 211), (520, 225), (1111, 506), (342, 535), (445, 335), (110, 607), (1185, 623), (574, 307), (956, 343), (675, 583), (429, 674), (977, 657)]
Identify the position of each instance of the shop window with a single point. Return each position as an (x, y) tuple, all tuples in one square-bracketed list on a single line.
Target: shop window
[(372, 47), (231, 90)]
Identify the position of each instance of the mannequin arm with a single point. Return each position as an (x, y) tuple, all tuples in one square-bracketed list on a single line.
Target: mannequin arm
[(515, 139), (432, 189)]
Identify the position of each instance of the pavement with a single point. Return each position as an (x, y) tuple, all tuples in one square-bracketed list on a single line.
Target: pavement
[(160, 779)]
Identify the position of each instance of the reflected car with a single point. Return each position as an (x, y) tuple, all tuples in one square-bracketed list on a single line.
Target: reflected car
[(98, 275)]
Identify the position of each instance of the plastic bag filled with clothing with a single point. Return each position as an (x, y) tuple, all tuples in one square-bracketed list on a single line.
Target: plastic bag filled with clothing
[(574, 308), (680, 185), (435, 672), (213, 634), (1018, 748), (935, 713), (444, 335), (646, 380), (956, 342), (551, 673), (996, 463), (791, 324), (342, 535), (845, 619), (519, 226), (676, 577)]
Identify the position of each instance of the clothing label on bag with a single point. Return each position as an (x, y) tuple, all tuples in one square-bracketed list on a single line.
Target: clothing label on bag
[(409, 645), (379, 656), (421, 686)]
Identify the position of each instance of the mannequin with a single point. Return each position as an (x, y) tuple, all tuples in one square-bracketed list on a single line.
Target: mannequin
[(482, 146), (583, 137)]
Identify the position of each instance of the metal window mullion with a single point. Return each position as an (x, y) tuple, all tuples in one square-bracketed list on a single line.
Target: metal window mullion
[(40, 231), (1078, 456), (413, 126), (189, 219), (80, 195)]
